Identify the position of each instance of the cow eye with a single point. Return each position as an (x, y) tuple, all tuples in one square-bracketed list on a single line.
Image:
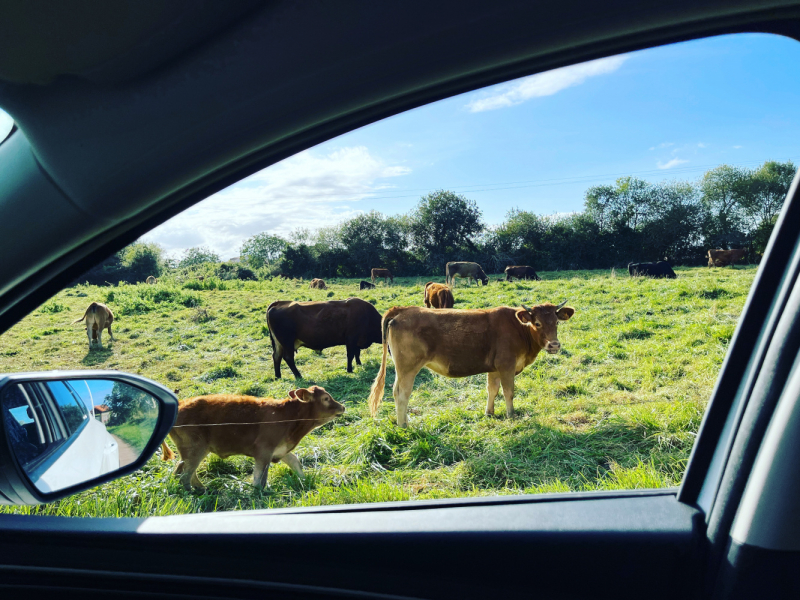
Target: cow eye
[(538, 324)]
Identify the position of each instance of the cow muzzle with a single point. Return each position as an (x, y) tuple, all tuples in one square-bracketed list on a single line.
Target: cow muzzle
[(553, 347)]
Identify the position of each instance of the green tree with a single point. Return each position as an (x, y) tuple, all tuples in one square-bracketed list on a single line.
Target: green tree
[(197, 256), (442, 224), (263, 250), (364, 237), (725, 191), (142, 259), (128, 404)]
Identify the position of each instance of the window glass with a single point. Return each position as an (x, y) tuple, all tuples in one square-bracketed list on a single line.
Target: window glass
[(72, 409), (6, 125), (639, 191)]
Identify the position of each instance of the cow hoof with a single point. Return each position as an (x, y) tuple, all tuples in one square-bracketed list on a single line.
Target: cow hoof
[(489, 413)]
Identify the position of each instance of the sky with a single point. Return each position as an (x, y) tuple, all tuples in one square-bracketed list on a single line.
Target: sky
[(535, 143)]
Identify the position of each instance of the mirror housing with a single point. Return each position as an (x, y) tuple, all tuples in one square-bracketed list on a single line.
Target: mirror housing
[(16, 484)]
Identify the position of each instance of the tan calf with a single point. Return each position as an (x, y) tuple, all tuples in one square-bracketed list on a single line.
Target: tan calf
[(458, 343), (317, 284), (98, 317), (438, 295), (262, 428)]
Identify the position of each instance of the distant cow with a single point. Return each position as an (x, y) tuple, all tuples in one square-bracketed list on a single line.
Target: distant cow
[(723, 258), (317, 284), (385, 273), (438, 295), (262, 428), (151, 280), (366, 285), (353, 323), (521, 272), (468, 270), (657, 270), (98, 317), (498, 341)]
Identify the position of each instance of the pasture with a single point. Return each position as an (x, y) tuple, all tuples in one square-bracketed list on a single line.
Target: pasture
[(618, 408)]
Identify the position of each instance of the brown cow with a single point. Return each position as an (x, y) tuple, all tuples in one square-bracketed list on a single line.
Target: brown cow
[(385, 273), (458, 343), (468, 270), (98, 317), (262, 428), (722, 258), (151, 280), (438, 295), (353, 323), (521, 272), (317, 284)]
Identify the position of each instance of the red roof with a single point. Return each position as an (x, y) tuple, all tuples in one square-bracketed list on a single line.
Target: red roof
[(101, 408)]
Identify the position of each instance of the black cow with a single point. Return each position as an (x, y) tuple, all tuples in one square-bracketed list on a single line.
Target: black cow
[(521, 272), (366, 285), (657, 270)]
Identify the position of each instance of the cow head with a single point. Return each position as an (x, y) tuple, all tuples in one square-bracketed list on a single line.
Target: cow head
[(485, 280), (323, 401), (542, 321)]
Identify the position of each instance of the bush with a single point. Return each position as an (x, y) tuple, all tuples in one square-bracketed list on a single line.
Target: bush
[(230, 271), (138, 300)]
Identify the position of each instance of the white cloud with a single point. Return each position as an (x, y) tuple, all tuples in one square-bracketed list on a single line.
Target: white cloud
[(737, 147), (307, 190), (701, 145), (671, 163), (543, 84), (662, 145)]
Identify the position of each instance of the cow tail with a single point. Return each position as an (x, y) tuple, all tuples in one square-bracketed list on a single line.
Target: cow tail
[(82, 318), (166, 453), (376, 392)]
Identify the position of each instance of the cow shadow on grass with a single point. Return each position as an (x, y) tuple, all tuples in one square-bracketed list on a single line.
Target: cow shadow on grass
[(97, 356)]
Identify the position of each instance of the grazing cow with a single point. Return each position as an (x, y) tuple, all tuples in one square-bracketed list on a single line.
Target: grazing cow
[(385, 273), (438, 295), (657, 270), (722, 258), (468, 270), (151, 280), (366, 285), (262, 428), (521, 272), (98, 317), (458, 343), (317, 284), (353, 323)]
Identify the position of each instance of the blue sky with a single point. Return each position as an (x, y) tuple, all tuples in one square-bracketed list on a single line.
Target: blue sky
[(536, 144)]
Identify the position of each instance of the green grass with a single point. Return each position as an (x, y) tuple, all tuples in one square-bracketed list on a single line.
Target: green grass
[(136, 434), (618, 408)]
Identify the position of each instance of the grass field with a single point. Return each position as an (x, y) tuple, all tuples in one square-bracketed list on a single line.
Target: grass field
[(619, 407)]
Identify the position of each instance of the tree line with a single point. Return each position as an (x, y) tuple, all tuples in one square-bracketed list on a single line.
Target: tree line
[(629, 220)]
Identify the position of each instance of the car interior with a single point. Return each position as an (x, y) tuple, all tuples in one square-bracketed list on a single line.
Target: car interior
[(128, 113)]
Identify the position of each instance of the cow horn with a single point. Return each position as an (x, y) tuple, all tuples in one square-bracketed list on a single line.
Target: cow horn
[(560, 306), (526, 308)]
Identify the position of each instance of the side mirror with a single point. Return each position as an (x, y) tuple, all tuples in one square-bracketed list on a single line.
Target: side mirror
[(66, 431)]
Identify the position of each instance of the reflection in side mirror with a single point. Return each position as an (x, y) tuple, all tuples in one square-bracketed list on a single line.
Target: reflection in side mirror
[(65, 432)]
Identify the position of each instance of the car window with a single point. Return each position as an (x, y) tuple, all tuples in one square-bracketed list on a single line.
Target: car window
[(6, 125), (73, 411), (590, 235)]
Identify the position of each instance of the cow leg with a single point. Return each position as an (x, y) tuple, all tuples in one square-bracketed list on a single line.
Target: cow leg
[(191, 459), (111, 335), (294, 464), (89, 335), (403, 386), (100, 338), (261, 470), (507, 379), (277, 356), (492, 387), (289, 358), (350, 354), (358, 356)]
